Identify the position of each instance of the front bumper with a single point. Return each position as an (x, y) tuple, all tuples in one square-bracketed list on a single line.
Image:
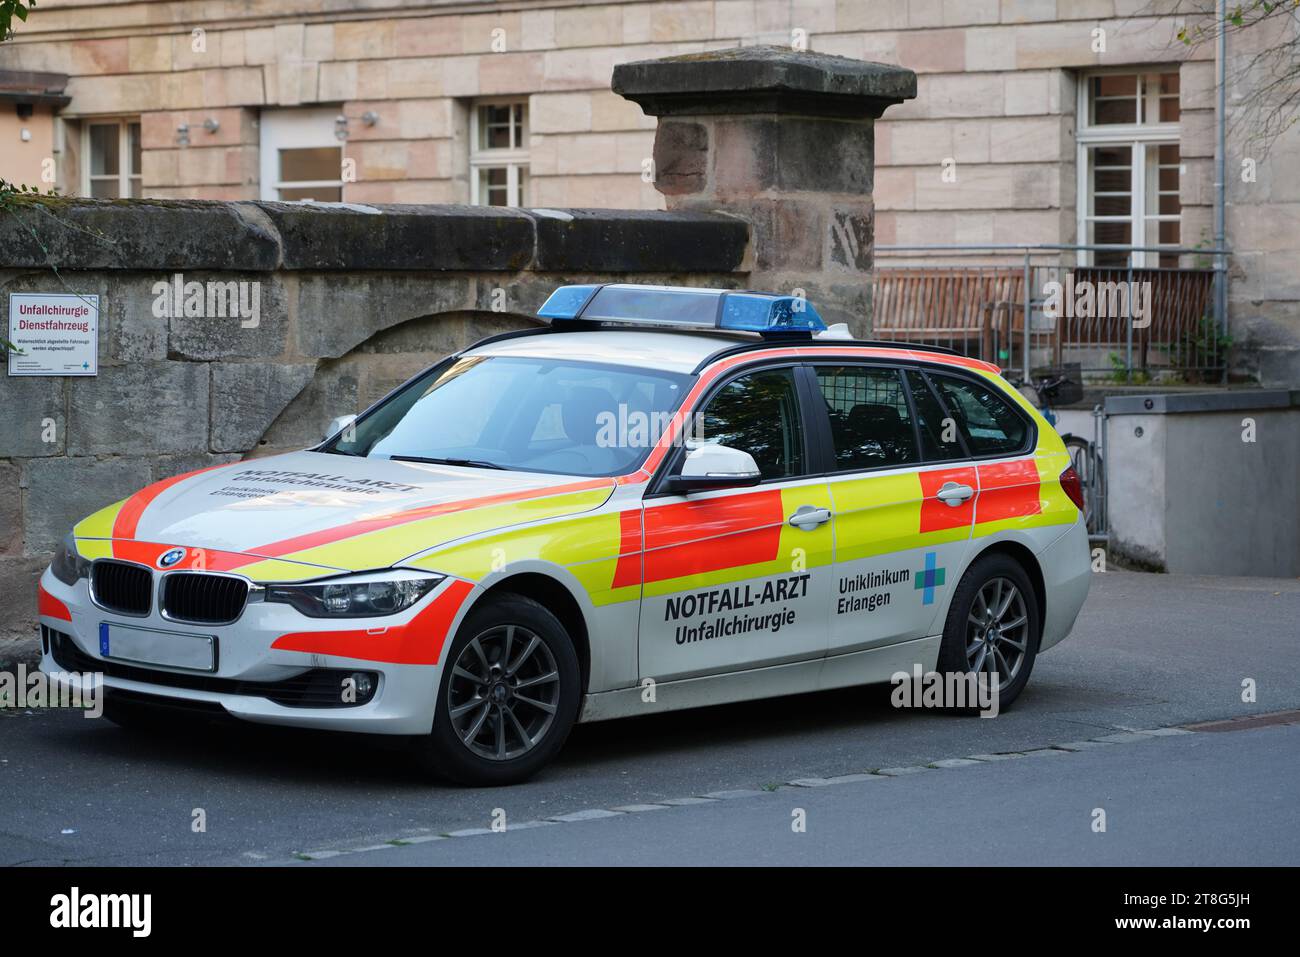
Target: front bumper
[(257, 682)]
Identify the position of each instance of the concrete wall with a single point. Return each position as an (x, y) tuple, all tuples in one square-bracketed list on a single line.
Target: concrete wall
[(1206, 484)]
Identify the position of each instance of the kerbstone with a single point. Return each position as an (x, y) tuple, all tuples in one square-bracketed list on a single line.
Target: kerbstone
[(61, 492)]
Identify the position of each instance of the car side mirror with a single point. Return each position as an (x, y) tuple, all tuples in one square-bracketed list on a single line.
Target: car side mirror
[(715, 466), (338, 424)]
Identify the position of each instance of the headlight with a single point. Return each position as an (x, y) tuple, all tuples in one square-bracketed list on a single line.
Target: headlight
[(356, 598), (69, 567)]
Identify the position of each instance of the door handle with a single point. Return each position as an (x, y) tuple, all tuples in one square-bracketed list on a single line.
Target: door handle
[(808, 517), (953, 494)]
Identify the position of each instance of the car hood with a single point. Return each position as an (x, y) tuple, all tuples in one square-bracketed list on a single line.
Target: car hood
[(336, 512)]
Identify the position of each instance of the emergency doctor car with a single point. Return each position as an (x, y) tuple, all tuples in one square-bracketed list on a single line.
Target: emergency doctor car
[(666, 498)]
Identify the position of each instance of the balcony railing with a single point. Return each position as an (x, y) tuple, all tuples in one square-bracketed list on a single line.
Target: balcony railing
[(1131, 324)]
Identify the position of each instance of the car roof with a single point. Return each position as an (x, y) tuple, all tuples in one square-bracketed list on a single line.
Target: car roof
[(688, 352)]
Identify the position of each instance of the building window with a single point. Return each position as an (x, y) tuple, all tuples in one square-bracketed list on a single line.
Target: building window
[(112, 149), (301, 156), (1129, 166), (498, 156)]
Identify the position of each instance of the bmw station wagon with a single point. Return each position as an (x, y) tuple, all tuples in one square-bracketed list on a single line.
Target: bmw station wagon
[(666, 498)]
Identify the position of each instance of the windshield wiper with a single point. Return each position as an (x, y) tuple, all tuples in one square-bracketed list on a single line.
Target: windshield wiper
[(338, 451), (470, 463)]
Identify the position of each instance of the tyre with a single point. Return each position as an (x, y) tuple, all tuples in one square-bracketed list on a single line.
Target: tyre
[(993, 626), (508, 697)]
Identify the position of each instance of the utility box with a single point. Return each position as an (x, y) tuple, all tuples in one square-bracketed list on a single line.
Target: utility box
[(1205, 483)]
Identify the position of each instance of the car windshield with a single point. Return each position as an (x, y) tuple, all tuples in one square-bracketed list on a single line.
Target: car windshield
[(524, 414)]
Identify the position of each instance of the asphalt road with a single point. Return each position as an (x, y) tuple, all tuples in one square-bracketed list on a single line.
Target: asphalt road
[(1149, 651)]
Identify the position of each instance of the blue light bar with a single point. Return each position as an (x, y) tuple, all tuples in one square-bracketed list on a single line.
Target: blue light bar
[(683, 307), (566, 302)]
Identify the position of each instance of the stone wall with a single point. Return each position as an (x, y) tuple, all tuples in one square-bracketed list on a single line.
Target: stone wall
[(352, 302)]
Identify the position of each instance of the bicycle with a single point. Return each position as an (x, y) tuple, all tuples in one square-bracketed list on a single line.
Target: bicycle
[(1060, 388)]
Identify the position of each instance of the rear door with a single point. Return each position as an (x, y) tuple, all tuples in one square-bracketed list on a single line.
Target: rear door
[(730, 582), (903, 497)]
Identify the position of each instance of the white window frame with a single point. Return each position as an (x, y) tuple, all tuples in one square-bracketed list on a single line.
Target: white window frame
[(1139, 137), (124, 174), (295, 128), (514, 160)]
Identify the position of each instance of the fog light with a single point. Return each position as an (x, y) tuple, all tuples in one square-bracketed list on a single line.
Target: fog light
[(364, 685)]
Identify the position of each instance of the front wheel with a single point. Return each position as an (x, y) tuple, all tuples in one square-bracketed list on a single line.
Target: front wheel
[(993, 626), (508, 697)]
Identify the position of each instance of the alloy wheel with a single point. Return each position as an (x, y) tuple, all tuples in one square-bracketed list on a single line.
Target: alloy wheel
[(504, 692)]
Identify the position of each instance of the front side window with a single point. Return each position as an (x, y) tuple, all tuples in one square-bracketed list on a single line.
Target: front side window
[(498, 157), (522, 414), (113, 159), (759, 414), (986, 420), (1130, 164), (871, 425)]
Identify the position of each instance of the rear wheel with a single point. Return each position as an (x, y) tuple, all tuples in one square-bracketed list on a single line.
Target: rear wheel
[(508, 698), (993, 626)]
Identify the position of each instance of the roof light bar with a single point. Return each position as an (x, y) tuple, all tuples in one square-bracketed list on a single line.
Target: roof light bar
[(683, 307)]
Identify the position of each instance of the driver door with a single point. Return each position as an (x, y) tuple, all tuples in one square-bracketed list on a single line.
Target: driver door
[(730, 583)]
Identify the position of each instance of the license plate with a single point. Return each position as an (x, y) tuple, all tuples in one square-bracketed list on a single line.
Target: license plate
[(148, 646)]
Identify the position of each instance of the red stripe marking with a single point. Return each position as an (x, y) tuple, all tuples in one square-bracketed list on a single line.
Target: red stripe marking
[(49, 606), (1008, 490), (936, 515), (128, 517), (690, 538), (419, 642), (628, 569), (327, 536)]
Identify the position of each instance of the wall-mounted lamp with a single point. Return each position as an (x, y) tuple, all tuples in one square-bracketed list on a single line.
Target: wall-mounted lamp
[(370, 117), (183, 135), (25, 135), (211, 124), (340, 127)]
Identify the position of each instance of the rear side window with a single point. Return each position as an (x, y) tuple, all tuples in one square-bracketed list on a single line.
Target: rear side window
[(939, 436), (759, 414), (871, 424), (987, 421)]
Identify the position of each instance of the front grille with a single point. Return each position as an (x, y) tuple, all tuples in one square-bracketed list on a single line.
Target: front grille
[(314, 688), (122, 587), (203, 599)]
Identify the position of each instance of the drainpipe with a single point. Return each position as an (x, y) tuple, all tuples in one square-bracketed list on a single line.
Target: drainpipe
[(1220, 177)]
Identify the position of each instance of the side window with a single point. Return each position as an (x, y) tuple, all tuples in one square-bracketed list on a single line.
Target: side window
[(987, 421), (871, 425), (939, 438), (759, 414)]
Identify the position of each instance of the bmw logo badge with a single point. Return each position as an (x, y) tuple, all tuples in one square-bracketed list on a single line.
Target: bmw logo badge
[(171, 557)]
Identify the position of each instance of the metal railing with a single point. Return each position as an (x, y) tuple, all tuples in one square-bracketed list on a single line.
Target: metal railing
[(1035, 306)]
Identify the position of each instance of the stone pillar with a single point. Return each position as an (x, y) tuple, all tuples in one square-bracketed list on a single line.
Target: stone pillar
[(785, 140)]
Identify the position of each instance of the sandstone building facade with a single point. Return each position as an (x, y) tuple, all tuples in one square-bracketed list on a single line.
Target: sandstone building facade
[(1036, 121)]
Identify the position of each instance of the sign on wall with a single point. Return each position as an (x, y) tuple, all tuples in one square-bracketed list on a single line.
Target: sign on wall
[(58, 334)]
